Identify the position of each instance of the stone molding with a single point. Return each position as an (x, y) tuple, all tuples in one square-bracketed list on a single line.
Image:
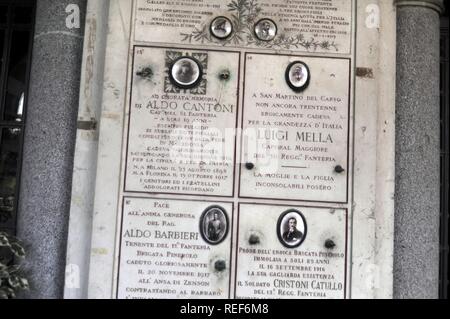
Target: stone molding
[(437, 5)]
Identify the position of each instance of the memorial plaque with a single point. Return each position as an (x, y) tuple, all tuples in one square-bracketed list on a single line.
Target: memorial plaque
[(183, 115), (175, 249), (247, 140), (286, 252), (312, 26), (300, 139)]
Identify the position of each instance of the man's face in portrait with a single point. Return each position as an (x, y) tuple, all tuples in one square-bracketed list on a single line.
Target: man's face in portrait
[(292, 225), (298, 74), (185, 73)]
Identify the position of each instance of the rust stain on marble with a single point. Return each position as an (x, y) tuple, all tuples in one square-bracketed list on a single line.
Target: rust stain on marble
[(99, 251), (364, 73)]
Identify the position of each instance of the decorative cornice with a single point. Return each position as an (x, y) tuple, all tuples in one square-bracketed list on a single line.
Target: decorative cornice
[(437, 5)]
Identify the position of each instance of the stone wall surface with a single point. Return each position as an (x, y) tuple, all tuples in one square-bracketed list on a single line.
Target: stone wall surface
[(416, 258), (49, 144)]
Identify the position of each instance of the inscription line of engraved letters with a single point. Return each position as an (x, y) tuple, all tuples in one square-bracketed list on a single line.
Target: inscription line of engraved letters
[(193, 131)]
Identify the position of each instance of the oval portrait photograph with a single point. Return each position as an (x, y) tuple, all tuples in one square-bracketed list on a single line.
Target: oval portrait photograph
[(292, 228), (266, 30), (185, 73), (214, 225), (298, 76), (221, 28)]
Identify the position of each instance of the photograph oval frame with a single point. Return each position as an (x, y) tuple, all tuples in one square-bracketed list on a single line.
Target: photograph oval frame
[(227, 225), (256, 33), (187, 86), (280, 234), (212, 31), (287, 76)]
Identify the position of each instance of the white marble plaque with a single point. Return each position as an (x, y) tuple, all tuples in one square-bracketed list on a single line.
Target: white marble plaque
[(297, 142), (276, 263), (311, 26), (344, 119), (172, 249), (182, 141)]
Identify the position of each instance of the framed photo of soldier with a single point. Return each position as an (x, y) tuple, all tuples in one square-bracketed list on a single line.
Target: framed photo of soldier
[(186, 72), (292, 228), (214, 225)]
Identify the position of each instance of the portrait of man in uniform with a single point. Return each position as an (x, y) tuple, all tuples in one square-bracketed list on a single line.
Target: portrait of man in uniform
[(214, 225)]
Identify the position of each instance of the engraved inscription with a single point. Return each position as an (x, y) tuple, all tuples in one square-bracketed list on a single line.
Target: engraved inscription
[(312, 26), (182, 141), (224, 153), (273, 268), (301, 138), (163, 254)]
